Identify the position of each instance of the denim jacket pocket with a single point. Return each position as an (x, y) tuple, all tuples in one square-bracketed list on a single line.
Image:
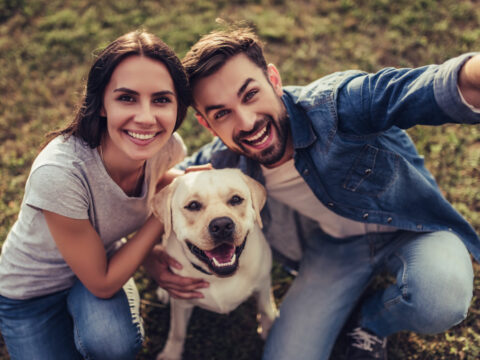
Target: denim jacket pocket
[(373, 172)]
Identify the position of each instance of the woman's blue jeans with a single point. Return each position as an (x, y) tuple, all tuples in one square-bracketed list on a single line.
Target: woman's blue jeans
[(432, 292), (73, 324)]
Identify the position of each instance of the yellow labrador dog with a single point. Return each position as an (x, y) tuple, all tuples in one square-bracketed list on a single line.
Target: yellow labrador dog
[(213, 228)]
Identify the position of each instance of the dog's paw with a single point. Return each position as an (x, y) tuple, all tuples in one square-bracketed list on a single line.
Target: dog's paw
[(265, 322), (162, 296)]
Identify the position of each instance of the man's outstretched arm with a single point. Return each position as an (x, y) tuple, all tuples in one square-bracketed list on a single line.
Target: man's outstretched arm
[(469, 81)]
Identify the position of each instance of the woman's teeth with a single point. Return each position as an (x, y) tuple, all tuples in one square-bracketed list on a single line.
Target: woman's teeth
[(141, 136)]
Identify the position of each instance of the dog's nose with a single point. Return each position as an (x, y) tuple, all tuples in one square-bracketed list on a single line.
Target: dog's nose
[(221, 228)]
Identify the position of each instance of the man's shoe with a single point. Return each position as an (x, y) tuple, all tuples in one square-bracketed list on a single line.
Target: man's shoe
[(362, 344)]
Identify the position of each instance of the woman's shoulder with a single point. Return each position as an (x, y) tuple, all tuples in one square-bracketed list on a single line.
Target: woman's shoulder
[(171, 154), (65, 152)]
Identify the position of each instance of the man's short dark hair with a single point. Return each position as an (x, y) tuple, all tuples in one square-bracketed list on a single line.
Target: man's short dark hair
[(213, 50)]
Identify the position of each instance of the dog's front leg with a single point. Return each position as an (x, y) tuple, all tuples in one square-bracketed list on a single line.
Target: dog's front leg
[(180, 312), (267, 310)]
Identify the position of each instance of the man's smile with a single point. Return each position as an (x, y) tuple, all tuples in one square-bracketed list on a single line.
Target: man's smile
[(260, 138)]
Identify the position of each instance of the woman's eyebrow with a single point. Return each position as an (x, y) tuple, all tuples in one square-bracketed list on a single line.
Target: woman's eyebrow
[(133, 92)]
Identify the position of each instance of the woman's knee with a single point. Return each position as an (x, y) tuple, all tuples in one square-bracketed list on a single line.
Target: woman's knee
[(109, 342), (106, 328)]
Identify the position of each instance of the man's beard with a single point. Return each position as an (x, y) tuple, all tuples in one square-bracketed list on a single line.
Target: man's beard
[(273, 153)]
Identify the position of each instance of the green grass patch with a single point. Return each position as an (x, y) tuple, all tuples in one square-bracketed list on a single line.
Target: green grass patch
[(48, 46)]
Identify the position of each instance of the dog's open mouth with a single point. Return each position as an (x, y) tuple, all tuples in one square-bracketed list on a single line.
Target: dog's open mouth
[(222, 260)]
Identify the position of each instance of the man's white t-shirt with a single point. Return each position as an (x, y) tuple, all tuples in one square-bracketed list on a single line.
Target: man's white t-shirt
[(285, 184)]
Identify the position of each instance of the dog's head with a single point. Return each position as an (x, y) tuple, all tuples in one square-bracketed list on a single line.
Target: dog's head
[(211, 213)]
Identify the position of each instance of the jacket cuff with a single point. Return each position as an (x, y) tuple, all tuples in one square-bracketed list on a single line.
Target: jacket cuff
[(447, 94)]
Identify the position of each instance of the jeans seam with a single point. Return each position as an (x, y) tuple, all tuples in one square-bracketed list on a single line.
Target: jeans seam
[(403, 286), (81, 347)]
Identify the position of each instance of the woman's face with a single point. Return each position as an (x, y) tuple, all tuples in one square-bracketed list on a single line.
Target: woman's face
[(140, 105)]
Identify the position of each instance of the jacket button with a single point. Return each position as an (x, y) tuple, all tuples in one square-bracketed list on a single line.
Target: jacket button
[(306, 172), (330, 204), (368, 171), (389, 220), (365, 215)]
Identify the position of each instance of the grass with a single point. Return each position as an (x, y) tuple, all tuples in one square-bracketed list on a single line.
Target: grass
[(47, 47)]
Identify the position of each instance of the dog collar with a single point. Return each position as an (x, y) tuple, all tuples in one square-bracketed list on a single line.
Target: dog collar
[(199, 268)]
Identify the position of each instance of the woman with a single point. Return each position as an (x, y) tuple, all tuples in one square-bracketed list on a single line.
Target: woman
[(64, 279)]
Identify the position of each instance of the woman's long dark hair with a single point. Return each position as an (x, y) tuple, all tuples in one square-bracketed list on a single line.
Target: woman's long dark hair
[(88, 125)]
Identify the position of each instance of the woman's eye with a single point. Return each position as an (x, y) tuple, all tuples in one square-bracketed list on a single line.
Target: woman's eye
[(193, 206), (162, 100), (126, 98), (235, 200)]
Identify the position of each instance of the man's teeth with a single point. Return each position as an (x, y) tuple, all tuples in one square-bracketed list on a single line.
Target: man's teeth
[(257, 136), (141, 136), (231, 262)]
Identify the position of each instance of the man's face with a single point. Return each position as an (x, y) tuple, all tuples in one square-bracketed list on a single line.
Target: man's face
[(242, 107)]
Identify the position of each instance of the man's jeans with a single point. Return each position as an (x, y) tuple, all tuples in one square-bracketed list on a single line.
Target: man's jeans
[(432, 292), (73, 324)]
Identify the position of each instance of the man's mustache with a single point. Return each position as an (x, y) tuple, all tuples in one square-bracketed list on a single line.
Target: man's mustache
[(258, 125)]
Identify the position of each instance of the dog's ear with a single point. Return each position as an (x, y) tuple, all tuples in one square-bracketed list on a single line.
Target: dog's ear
[(162, 209), (259, 196)]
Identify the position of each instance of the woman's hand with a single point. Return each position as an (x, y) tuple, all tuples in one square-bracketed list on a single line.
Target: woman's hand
[(158, 264)]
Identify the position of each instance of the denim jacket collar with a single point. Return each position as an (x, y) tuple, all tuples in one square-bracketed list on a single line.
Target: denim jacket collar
[(302, 133)]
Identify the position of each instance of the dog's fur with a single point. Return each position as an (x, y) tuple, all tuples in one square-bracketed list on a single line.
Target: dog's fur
[(214, 214)]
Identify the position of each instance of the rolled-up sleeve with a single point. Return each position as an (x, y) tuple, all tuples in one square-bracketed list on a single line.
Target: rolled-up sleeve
[(447, 94)]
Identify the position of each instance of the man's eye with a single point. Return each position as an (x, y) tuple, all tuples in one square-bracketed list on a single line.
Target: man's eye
[(193, 206), (249, 95), (220, 114), (235, 200)]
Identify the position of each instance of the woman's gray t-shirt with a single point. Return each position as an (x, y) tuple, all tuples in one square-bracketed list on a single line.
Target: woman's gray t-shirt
[(68, 178)]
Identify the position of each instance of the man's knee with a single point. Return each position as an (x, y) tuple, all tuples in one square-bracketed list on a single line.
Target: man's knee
[(442, 292)]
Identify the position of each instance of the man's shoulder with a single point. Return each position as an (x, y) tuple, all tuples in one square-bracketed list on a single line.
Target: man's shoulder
[(215, 152), (322, 89)]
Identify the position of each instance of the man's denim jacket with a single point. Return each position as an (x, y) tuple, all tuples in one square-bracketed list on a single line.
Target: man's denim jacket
[(351, 149)]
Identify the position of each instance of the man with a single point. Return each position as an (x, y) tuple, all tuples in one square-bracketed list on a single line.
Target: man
[(349, 195)]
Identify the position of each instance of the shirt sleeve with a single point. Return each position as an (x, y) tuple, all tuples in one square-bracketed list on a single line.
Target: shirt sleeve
[(448, 95), (58, 190), (404, 97)]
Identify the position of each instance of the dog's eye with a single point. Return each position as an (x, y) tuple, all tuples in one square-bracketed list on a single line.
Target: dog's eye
[(193, 206), (235, 200)]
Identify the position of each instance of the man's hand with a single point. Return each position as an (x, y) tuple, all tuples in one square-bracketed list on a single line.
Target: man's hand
[(469, 81), (199, 168), (158, 264)]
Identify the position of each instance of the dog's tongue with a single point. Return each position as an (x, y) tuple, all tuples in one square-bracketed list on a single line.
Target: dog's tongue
[(222, 253)]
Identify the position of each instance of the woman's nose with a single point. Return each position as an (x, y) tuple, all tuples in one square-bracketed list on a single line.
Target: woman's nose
[(145, 115)]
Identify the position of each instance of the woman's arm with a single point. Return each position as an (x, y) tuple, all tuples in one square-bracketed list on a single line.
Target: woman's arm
[(84, 252)]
